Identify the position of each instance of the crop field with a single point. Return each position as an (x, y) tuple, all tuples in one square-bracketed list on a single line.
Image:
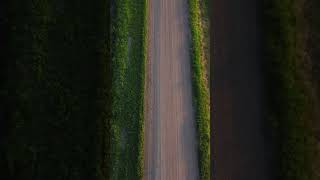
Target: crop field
[(128, 63), (292, 93), (200, 90), (312, 14), (55, 93)]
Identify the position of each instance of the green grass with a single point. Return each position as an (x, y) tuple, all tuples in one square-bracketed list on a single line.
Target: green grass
[(205, 33), (200, 92), (56, 91), (128, 63), (290, 97)]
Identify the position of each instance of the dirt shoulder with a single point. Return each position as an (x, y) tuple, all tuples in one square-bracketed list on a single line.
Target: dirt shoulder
[(240, 150)]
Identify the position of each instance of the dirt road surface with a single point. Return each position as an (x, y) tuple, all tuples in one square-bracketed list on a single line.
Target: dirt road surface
[(240, 150), (170, 133)]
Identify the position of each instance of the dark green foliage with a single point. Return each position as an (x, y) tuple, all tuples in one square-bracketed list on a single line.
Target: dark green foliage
[(57, 91), (200, 92), (128, 64)]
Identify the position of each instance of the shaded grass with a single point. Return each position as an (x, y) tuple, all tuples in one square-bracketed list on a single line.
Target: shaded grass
[(128, 63), (290, 89), (200, 92)]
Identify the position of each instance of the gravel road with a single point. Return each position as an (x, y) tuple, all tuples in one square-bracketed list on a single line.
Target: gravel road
[(170, 133)]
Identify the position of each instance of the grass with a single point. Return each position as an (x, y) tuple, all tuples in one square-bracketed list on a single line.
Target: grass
[(290, 89), (205, 33), (200, 91), (56, 90), (128, 62)]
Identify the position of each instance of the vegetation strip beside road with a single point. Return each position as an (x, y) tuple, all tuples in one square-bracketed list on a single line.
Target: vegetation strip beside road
[(205, 36), (128, 67), (291, 97), (200, 91)]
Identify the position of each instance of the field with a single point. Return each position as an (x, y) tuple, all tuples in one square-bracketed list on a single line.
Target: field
[(128, 63), (55, 93), (312, 21), (293, 92), (200, 90)]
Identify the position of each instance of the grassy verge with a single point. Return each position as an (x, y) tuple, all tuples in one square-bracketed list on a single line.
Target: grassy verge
[(57, 90), (291, 97), (128, 62), (200, 91), (205, 33)]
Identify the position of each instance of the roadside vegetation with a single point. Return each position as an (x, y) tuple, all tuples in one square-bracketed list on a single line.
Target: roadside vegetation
[(55, 93), (128, 66), (292, 85), (201, 96), (205, 37)]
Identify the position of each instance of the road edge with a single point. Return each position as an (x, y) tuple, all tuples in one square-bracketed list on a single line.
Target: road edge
[(200, 91)]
